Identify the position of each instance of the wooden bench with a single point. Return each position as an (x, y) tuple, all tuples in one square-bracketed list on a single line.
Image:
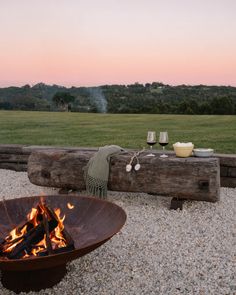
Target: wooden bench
[(184, 178)]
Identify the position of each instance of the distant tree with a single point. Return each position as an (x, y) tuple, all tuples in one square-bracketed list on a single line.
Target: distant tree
[(63, 100), (153, 97), (205, 108), (27, 87), (222, 106), (147, 85), (5, 105), (157, 84), (183, 107), (193, 105)]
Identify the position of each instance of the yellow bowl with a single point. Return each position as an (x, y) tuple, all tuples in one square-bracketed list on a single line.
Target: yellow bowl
[(183, 151)]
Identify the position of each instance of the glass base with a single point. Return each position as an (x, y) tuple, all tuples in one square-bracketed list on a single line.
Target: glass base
[(163, 156), (150, 155)]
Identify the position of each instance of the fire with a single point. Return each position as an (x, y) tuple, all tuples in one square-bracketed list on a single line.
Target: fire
[(60, 220), (58, 238), (32, 216), (44, 227), (70, 206), (42, 245), (14, 235)]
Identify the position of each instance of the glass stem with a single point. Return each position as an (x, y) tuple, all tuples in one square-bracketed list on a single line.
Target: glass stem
[(163, 148), (151, 147)]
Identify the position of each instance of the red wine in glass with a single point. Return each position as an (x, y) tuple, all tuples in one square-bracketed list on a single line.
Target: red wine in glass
[(163, 141), (151, 143), (151, 140)]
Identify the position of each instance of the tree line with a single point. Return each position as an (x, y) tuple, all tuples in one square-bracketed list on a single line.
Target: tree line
[(156, 98)]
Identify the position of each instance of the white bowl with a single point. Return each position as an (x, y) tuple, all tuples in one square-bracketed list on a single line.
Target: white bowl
[(201, 152)]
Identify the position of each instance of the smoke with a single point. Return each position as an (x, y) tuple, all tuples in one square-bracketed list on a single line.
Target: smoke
[(98, 99)]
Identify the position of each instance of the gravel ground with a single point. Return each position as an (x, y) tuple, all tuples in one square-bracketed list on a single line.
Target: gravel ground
[(158, 251)]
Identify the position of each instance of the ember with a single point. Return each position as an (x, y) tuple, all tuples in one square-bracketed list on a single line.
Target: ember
[(70, 206), (42, 234)]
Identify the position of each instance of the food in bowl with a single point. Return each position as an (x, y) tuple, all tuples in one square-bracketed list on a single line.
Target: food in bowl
[(183, 149), (202, 152)]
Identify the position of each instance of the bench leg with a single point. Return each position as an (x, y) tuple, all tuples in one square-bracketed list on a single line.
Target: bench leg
[(176, 203)]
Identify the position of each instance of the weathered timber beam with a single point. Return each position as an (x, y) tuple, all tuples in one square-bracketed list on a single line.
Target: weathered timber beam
[(11, 149), (228, 181), (188, 178), (13, 158), (14, 166), (228, 160)]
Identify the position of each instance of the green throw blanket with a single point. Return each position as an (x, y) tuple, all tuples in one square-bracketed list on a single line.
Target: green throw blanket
[(96, 172)]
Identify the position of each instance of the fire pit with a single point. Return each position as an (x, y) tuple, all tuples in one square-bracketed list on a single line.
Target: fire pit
[(89, 222)]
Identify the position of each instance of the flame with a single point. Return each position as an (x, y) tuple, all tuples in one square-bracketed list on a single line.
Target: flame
[(60, 220), (26, 255), (41, 246), (32, 216), (58, 239), (35, 218), (13, 236), (70, 206)]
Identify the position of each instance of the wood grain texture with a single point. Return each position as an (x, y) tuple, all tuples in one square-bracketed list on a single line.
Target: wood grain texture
[(11, 148), (228, 182), (13, 158), (227, 159), (188, 178), (14, 166)]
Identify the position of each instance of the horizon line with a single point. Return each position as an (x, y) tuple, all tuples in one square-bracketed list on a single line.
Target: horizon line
[(120, 84)]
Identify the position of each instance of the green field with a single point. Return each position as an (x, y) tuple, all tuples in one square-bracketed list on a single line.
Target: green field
[(86, 130)]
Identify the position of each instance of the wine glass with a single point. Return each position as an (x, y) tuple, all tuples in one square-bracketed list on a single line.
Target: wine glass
[(151, 140), (163, 141)]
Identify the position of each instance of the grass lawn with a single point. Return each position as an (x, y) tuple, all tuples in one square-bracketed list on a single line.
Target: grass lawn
[(84, 130)]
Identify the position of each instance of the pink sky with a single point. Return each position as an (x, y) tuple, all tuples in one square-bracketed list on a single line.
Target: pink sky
[(91, 42)]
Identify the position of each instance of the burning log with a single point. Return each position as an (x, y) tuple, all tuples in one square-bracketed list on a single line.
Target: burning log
[(5, 243), (64, 231), (53, 215), (42, 234), (34, 236), (42, 206), (47, 232)]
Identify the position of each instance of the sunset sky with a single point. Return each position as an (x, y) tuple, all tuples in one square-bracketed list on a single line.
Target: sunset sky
[(97, 42)]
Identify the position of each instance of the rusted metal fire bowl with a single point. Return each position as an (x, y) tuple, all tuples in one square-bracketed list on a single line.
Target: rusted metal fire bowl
[(91, 223)]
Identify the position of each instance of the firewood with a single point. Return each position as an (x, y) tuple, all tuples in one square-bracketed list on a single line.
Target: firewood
[(45, 215), (48, 221), (23, 224), (65, 233), (42, 253), (4, 244), (34, 236), (68, 238), (46, 229)]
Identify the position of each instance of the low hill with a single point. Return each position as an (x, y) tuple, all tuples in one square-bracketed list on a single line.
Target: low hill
[(134, 98)]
